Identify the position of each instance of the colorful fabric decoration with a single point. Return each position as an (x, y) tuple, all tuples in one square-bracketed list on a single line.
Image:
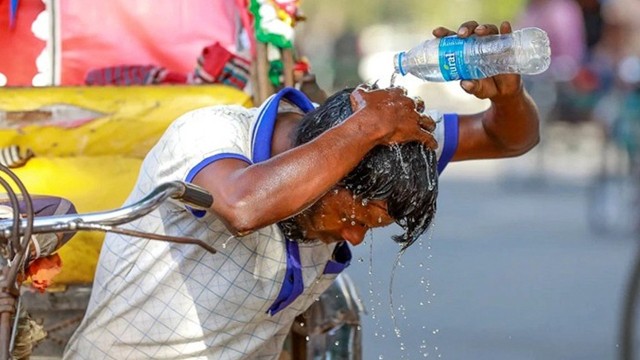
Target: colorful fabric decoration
[(276, 70), (43, 270), (274, 21), (218, 65), (134, 75), (215, 65)]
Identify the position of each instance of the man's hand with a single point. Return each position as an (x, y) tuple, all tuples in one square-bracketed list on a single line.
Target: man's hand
[(398, 117), (496, 87)]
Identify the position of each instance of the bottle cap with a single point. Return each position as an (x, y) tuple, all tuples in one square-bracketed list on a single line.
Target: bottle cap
[(398, 61)]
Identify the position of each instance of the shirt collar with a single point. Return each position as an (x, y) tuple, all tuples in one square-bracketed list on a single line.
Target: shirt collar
[(262, 133)]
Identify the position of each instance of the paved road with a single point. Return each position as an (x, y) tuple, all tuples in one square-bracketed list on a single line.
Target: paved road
[(511, 272)]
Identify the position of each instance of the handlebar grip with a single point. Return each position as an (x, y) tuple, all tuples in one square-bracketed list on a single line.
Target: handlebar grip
[(196, 196)]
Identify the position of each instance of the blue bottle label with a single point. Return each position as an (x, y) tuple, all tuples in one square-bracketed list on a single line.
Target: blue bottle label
[(451, 58)]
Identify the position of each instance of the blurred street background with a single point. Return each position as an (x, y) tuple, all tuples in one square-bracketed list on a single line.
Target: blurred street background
[(529, 257)]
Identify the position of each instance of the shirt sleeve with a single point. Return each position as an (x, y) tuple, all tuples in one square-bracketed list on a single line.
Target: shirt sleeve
[(197, 139), (446, 134)]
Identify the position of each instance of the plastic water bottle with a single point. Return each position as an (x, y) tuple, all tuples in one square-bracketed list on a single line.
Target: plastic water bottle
[(524, 51)]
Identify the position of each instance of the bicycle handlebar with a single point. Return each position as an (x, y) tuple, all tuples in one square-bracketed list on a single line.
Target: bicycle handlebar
[(188, 194)]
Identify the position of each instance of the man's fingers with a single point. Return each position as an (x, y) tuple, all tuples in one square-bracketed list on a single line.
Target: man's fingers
[(486, 29), (357, 98), (467, 28), (482, 89), (429, 141), (399, 90), (419, 104), (442, 32), (427, 123), (468, 85), (505, 27), (472, 27), (363, 87)]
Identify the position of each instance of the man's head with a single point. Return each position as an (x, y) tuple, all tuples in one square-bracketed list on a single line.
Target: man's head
[(402, 178)]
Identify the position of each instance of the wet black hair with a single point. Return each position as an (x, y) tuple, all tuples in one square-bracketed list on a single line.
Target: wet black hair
[(403, 175)]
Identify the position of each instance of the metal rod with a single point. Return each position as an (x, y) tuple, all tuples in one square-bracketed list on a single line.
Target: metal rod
[(7, 309), (14, 241), (67, 223), (150, 236), (9, 289)]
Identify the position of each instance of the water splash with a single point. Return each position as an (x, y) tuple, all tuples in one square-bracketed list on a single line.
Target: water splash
[(396, 329), (394, 77), (428, 158), (403, 164)]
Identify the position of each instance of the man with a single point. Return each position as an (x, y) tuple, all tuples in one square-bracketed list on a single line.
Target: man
[(290, 192)]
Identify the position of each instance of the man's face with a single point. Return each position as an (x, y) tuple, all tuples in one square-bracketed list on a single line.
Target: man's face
[(339, 216)]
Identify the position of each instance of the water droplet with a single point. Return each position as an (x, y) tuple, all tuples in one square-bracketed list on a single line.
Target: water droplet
[(360, 259), (337, 343), (307, 338), (224, 245), (301, 324), (353, 223)]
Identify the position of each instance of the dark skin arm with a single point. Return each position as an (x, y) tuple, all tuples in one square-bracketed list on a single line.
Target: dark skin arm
[(510, 126), (249, 197)]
